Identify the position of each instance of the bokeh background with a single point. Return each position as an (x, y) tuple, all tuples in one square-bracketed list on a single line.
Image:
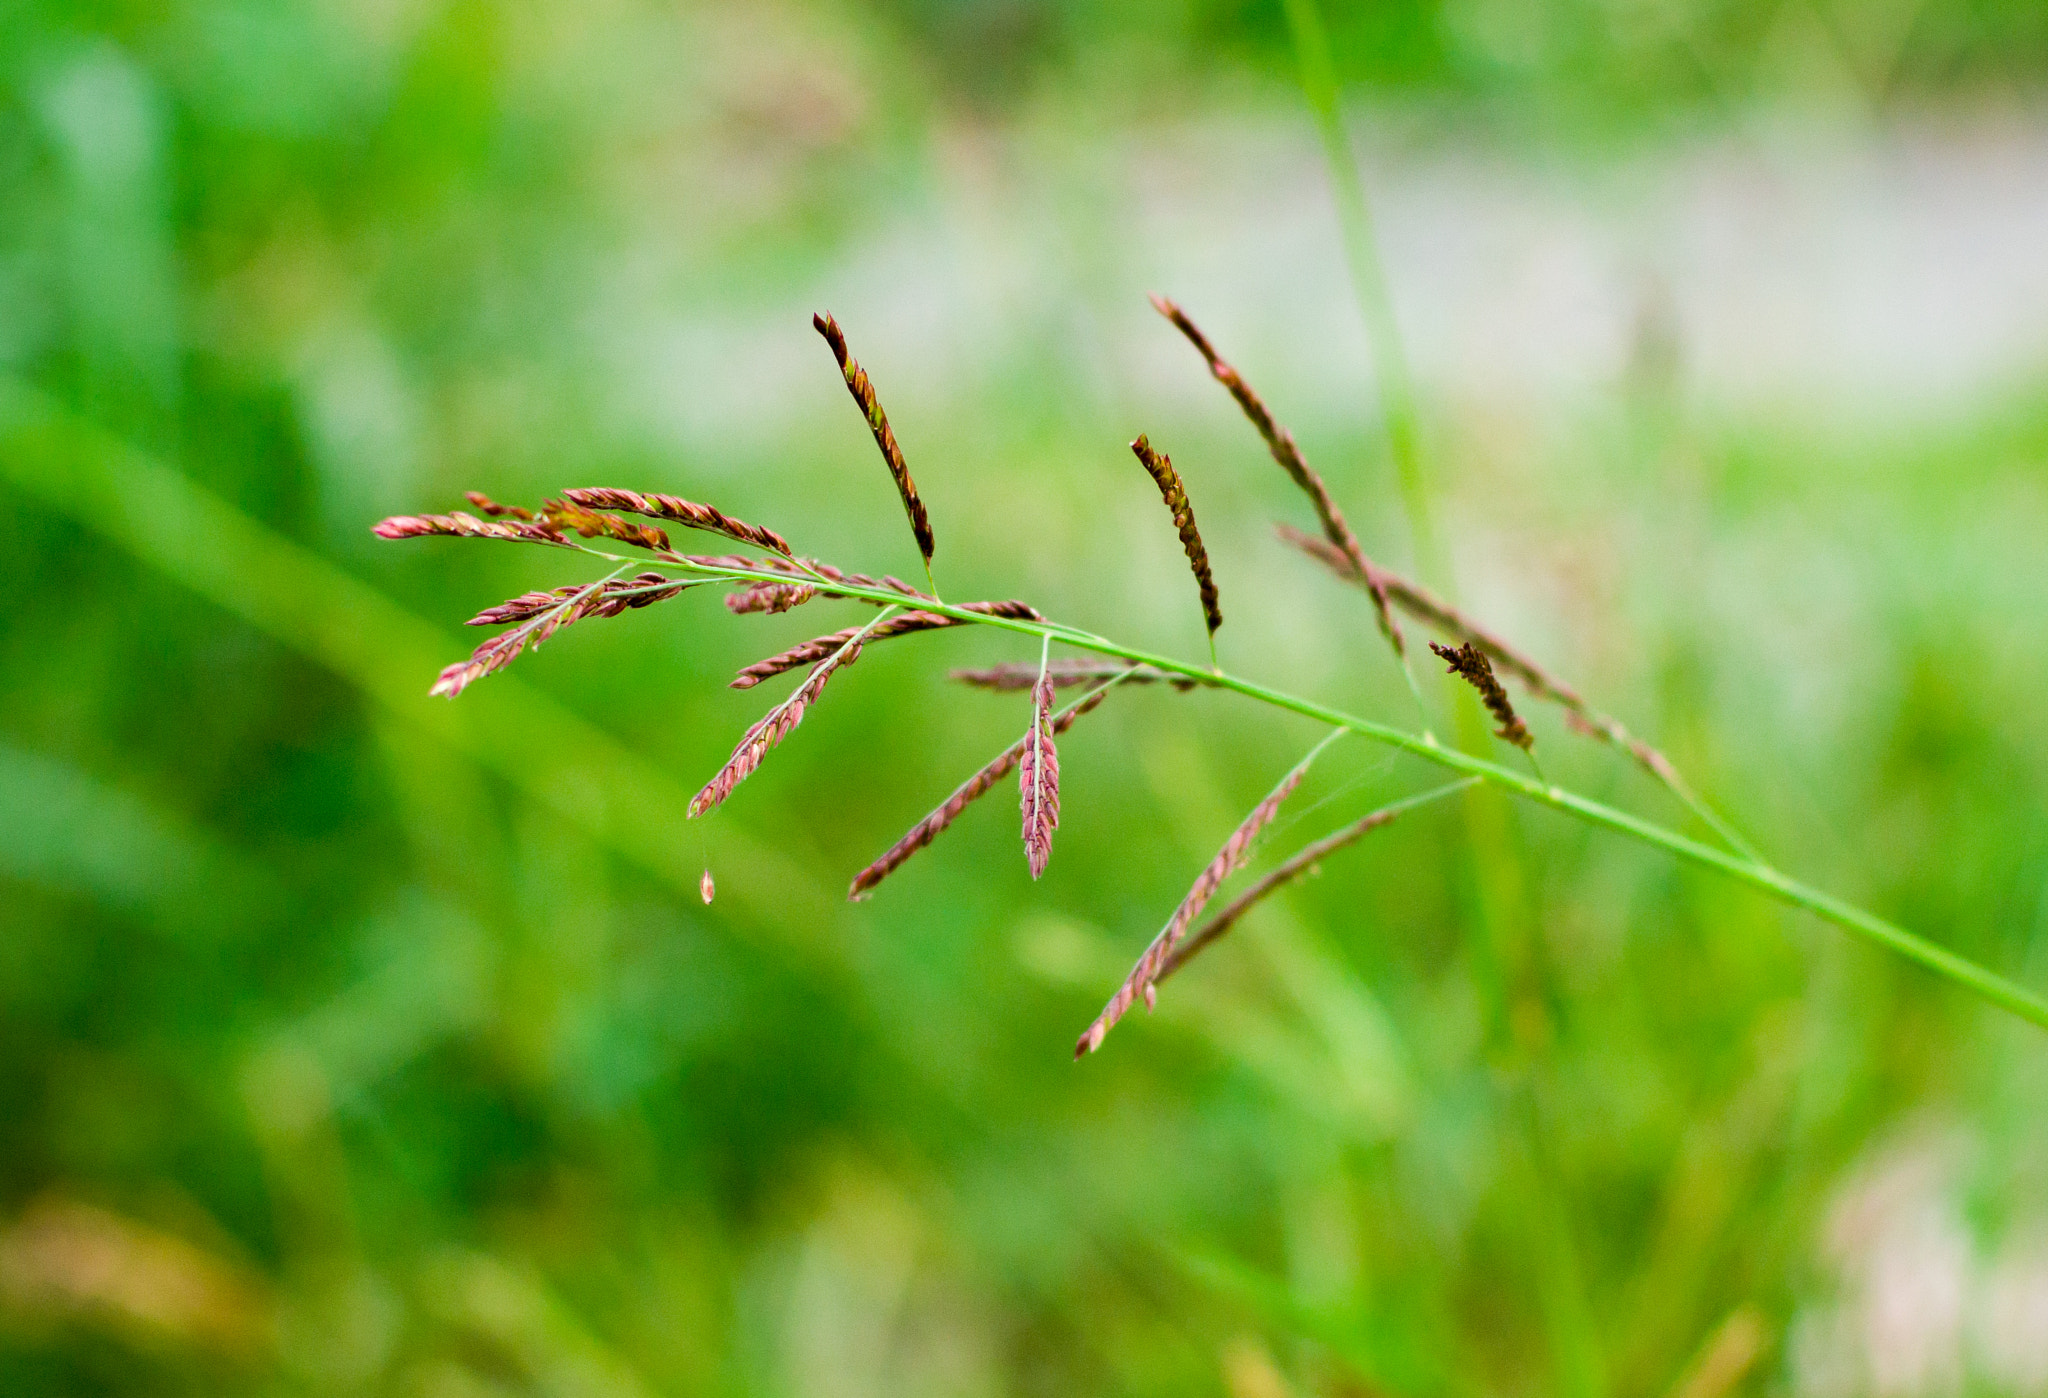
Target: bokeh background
[(355, 1042)]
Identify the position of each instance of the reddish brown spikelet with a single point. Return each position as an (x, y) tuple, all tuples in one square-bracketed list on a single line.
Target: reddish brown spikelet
[(519, 608), (927, 830), (492, 508), (593, 524), (614, 597), (811, 570), (1288, 454), (462, 526), (1301, 863), (903, 623), (863, 392), (1038, 780), (679, 511), (822, 576), (1064, 674), (773, 728), (1470, 664), (1153, 962), (769, 597), (1160, 467), (541, 614), (706, 889)]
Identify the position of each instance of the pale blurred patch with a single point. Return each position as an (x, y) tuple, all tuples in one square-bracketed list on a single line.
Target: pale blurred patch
[(62, 1257), (1918, 1310), (1249, 1370)]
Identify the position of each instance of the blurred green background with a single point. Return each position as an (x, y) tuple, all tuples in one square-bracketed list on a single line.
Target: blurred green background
[(355, 1042)]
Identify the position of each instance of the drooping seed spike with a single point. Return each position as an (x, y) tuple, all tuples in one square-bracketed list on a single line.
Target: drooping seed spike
[(1470, 664), (1288, 455), (863, 391), (1038, 780), (1160, 467)]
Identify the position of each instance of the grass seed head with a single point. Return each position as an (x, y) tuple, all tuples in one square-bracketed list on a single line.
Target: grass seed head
[(540, 614), (1152, 964), (1160, 467), (773, 727), (863, 391), (595, 524)]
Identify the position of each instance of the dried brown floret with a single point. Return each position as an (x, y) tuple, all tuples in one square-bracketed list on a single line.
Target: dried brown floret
[(1470, 664)]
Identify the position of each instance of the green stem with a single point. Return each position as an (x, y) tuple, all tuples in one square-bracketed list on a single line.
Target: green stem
[(2004, 993), (1369, 283)]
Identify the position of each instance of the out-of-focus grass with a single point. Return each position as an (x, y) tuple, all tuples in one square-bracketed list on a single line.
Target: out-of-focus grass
[(358, 1043)]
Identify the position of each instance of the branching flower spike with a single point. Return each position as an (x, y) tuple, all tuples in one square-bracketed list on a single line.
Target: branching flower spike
[(878, 422), (927, 830), (1153, 963), (584, 521), (778, 722), (1160, 467)]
